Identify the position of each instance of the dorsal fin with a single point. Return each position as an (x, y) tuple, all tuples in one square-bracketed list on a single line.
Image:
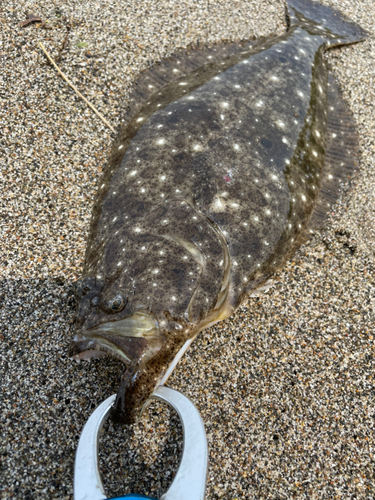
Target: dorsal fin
[(183, 63)]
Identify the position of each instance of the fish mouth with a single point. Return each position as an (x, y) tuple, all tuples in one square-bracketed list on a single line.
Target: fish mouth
[(128, 339)]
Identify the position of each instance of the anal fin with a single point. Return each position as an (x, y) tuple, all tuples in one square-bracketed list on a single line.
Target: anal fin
[(341, 155)]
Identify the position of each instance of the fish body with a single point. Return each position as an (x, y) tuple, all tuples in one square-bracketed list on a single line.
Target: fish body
[(212, 187)]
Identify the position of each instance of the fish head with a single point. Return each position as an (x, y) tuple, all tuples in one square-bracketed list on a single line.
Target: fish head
[(106, 323), (146, 311)]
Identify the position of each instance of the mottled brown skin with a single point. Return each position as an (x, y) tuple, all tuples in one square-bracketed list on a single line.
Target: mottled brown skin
[(218, 179)]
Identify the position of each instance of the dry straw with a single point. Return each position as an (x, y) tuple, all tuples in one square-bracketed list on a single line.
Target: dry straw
[(75, 89)]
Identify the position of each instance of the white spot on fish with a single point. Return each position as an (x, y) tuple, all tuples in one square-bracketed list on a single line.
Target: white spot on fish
[(217, 204)]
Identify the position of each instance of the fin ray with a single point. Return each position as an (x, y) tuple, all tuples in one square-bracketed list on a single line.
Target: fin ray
[(341, 155)]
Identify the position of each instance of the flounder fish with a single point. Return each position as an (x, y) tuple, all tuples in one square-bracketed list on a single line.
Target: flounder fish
[(230, 157)]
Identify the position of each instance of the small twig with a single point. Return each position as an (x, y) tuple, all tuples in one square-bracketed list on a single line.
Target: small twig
[(31, 18), (63, 46), (75, 89)]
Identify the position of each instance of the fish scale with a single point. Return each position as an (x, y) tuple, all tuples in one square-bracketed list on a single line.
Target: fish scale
[(213, 184)]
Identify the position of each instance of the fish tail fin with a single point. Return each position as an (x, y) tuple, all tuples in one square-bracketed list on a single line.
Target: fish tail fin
[(318, 19)]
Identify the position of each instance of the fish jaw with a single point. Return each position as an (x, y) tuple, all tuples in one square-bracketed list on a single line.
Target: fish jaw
[(145, 349), (129, 340), (143, 377)]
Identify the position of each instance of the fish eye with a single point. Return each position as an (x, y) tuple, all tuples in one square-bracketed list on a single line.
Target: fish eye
[(95, 301), (116, 304)]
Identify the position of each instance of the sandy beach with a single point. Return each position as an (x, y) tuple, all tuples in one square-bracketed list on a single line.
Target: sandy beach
[(285, 386)]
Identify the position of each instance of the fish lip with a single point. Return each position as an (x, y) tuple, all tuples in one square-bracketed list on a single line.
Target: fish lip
[(87, 348), (141, 325)]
